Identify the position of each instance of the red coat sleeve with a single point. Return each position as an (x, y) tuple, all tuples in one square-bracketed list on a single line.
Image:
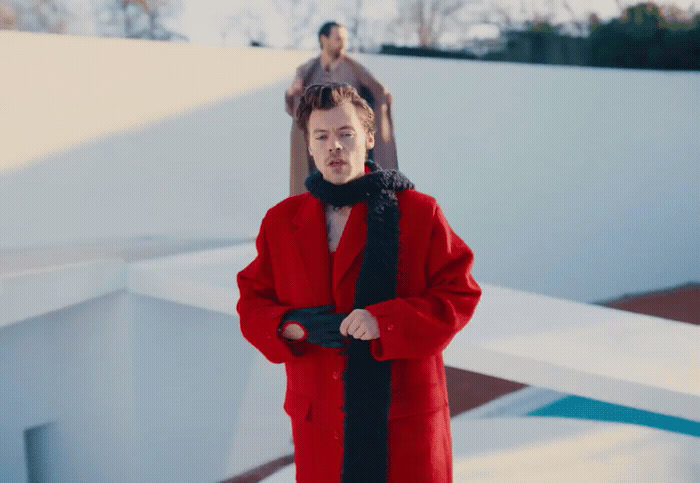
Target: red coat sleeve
[(421, 326), (259, 310)]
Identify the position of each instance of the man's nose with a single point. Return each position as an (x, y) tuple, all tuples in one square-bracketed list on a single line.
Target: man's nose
[(335, 144)]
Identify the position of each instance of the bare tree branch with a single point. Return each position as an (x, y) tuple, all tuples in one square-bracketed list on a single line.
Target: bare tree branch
[(8, 17), (142, 19), (37, 15), (429, 20), (248, 24), (299, 17)]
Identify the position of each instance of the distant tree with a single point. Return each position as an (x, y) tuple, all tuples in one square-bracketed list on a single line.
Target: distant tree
[(579, 25), (288, 23), (593, 21), (675, 17), (50, 16), (299, 17), (500, 16), (354, 23), (681, 42), (428, 20), (249, 27), (648, 37), (541, 25), (8, 17), (142, 19)]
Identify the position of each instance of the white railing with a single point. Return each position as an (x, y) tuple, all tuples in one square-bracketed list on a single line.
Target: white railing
[(35, 292)]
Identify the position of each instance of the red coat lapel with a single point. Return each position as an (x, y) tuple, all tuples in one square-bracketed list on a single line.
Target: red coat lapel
[(311, 240), (351, 244)]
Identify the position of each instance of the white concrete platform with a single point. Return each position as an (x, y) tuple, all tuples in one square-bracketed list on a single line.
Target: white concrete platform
[(204, 279), (605, 354), (552, 449), (587, 350), (591, 351), (30, 293)]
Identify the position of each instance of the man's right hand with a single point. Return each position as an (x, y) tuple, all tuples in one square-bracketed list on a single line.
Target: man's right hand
[(319, 325), (296, 87), (293, 332), (389, 98)]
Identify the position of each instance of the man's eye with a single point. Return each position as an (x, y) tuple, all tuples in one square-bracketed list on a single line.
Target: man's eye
[(321, 137)]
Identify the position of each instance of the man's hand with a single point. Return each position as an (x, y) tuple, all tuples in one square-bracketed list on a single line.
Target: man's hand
[(296, 87), (293, 331), (389, 98), (318, 325), (360, 324)]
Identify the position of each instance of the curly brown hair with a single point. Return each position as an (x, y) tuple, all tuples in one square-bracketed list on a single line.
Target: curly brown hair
[(328, 96)]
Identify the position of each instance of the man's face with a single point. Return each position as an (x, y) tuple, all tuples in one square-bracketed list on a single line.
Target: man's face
[(336, 42), (339, 143)]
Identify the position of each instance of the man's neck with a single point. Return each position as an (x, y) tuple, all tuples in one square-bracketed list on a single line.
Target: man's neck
[(328, 61)]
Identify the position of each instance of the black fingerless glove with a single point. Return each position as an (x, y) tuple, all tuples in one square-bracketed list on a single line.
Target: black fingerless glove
[(321, 327)]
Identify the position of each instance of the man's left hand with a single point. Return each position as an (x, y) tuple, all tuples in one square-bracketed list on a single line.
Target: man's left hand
[(360, 324), (389, 98)]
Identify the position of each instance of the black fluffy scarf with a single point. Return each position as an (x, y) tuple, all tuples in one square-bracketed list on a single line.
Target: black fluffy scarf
[(368, 381)]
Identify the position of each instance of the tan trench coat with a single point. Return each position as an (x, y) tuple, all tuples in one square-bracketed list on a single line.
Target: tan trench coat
[(352, 72)]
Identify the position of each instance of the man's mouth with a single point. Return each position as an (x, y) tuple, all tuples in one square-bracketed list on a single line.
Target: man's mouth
[(336, 162)]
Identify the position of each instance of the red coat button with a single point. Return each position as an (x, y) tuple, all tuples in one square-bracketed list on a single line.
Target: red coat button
[(336, 434), (390, 327), (336, 375)]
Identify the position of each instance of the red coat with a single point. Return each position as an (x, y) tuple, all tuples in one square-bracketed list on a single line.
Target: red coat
[(436, 296)]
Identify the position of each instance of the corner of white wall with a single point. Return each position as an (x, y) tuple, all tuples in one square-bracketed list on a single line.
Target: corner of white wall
[(36, 292)]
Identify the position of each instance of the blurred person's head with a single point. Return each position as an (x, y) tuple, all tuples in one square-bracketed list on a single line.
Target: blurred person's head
[(339, 128), (333, 38)]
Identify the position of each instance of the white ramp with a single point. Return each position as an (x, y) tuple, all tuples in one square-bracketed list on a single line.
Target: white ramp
[(597, 352), (587, 350)]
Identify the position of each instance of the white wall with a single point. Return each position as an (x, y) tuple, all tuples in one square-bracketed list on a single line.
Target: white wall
[(191, 373), (572, 182), (134, 388), (153, 381), (71, 368)]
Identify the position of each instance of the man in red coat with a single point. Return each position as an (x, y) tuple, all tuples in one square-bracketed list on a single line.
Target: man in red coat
[(358, 287)]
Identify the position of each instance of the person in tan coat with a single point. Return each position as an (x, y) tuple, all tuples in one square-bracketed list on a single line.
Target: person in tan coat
[(334, 66)]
